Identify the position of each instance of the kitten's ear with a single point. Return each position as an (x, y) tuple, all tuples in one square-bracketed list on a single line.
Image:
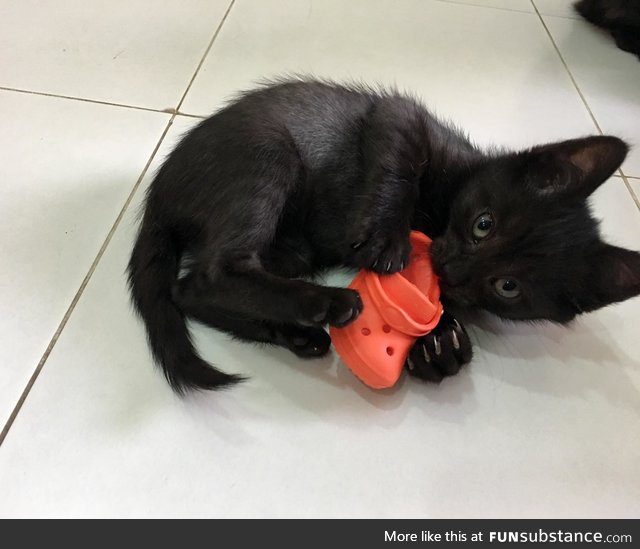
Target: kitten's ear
[(574, 168), (615, 277)]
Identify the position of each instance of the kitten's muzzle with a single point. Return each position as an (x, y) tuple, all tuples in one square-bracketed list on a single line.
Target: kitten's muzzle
[(449, 265), (455, 273)]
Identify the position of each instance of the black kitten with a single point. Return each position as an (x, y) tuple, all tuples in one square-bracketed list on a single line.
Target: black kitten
[(620, 17), (303, 176)]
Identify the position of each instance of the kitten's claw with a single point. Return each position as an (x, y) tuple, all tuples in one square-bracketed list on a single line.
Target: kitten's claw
[(425, 354), (440, 353), (454, 338)]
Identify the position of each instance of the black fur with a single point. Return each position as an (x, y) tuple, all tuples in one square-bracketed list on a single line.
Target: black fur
[(301, 176), (620, 17)]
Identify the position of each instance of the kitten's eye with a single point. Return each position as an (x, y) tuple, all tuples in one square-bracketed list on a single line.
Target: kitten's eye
[(505, 287), (482, 226)]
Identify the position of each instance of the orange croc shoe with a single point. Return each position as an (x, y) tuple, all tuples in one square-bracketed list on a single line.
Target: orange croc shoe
[(398, 309)]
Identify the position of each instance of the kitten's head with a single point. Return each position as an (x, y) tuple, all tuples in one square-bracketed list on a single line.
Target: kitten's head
[(521, 241)]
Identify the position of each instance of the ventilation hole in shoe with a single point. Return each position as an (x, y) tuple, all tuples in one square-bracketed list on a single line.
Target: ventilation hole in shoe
[(366, 331), (390, 351), (386, 328)]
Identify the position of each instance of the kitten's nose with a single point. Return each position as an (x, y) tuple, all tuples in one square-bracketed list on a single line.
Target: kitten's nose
[(447, 263), (454, 272), (441, 254)]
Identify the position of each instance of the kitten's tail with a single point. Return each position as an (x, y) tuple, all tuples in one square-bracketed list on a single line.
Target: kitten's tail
[(152, 270)]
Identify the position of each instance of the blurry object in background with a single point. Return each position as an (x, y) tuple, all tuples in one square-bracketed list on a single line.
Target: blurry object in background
[(620, 17)]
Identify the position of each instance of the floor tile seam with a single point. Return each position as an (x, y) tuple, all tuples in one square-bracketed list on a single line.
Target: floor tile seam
[(89, 100), (205, 55), (500, 8)]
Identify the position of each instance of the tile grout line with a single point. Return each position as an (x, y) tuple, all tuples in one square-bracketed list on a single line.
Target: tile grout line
[(564, 63), (97, 102), (206, 53), (105, 244), (583, 99), (501, 8), (634, 196), (575, 16)]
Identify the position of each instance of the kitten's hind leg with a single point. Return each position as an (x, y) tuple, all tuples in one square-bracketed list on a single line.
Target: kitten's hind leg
[(289, 258), (243, 288), (304, 341)]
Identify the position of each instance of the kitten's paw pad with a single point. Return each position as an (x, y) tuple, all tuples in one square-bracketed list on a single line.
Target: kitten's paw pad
[(337, 307), (440, 353), (305, 342), (345, 307), (383, 254)]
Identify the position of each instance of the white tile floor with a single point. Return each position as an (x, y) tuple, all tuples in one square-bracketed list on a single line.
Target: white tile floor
[(544, 423)]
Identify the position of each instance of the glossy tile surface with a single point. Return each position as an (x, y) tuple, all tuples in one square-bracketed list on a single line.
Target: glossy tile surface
[(120, 51), (66, 171), (493, 72), (517, 5)]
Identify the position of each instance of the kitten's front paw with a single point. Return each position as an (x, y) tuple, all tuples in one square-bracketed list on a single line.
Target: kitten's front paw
[(335, 306), (382, 253), (441, 352)]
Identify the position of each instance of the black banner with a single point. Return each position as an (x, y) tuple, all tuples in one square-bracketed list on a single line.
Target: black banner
[(325, 533)]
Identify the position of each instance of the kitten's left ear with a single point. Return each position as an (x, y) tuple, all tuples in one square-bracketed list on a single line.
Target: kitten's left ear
[(615, 276), (574, 168)]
